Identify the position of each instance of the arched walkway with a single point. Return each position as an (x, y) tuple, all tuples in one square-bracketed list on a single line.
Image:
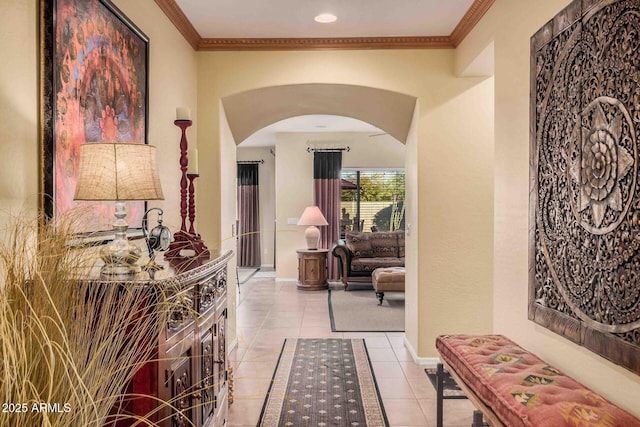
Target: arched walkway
[(252, 110)]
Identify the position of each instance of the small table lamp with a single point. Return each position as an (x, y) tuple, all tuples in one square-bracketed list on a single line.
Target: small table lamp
[(312, 217), (119, 172)]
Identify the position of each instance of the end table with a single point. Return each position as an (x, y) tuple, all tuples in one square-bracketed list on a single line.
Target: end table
[(312, 269)]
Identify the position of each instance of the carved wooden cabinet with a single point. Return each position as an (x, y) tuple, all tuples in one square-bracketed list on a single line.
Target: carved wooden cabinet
[(191, 367), (312, 269)]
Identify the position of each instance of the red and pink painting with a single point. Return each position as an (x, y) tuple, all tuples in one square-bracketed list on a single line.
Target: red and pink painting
[(95, 90)]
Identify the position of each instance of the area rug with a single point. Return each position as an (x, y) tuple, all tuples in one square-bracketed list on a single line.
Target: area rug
[(358, 311), (450, 389), (323, 382)]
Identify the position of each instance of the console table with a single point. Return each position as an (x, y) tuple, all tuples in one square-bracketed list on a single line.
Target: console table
[(312, 269), (190, 370)]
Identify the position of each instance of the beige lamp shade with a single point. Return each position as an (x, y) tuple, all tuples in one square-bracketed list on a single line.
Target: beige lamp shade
[(312, 216), (118, 171)]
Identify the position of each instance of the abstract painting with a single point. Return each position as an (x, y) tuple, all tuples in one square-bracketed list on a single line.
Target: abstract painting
[(94, 86)]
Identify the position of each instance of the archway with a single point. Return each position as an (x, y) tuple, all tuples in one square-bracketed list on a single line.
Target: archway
[(243, 113), (249, 111)]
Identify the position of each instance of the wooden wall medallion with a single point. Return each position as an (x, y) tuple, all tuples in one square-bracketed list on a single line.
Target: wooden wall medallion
[(584, 236)]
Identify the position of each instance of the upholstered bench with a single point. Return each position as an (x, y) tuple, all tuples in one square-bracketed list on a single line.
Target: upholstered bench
[(387, 279), (513, 387)]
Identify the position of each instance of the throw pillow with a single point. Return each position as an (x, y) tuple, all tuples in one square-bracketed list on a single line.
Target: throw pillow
[(384, 244), (358, 243)]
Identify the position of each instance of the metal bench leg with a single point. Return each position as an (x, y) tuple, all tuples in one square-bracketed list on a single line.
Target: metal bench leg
[(439, 394), (477, 419)]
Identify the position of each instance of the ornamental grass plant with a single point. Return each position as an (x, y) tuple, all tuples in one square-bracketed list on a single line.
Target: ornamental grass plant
[(68, 346)]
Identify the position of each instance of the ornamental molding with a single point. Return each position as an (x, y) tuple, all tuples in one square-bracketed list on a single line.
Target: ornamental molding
[(180, 21), (469, 20), (360, 43)]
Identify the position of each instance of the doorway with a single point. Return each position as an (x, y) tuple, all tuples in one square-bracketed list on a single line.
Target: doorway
[(388, 114)]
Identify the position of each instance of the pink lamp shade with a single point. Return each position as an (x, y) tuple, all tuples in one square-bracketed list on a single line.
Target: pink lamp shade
[(312, 216)]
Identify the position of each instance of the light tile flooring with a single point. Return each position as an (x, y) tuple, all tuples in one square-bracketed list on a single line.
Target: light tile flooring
[(270, 311)]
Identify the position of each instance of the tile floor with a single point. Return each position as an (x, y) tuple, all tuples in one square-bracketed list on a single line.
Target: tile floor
[(270, 311)]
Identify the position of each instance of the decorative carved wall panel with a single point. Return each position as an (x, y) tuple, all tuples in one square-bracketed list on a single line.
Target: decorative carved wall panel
[(584, 262)]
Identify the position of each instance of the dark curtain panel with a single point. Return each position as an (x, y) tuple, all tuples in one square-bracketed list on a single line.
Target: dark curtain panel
[(326, 186), (249, 216)]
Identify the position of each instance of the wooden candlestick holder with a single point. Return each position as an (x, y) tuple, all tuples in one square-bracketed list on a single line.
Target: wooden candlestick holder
[(187, 249), (192, 203)]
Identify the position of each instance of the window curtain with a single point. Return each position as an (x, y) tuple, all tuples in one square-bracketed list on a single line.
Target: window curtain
[(326, 182), (249, 216)]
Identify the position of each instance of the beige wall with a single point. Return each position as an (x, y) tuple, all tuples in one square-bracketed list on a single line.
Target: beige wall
[(412, 229), (371, 150), (510, 24), (294, 192), (454, 155), (455, 218), (227, 214), (18, 106)]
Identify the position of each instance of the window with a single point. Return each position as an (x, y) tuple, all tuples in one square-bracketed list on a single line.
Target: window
[(372, 198)]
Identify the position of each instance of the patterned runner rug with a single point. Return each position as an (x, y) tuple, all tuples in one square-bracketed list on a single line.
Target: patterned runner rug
[(323, 382)]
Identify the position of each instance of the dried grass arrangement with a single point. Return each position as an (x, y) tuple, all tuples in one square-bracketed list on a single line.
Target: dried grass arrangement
[(68, 347)]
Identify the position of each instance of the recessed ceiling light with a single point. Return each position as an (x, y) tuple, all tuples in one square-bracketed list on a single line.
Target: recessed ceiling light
[(326, 18)]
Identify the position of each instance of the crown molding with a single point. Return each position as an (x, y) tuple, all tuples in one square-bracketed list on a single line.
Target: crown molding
[(180, 21), (469, 20), (218, 44), (464, 27)]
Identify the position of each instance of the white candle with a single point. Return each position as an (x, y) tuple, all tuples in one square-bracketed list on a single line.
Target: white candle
[(192, 165), (183, 113)]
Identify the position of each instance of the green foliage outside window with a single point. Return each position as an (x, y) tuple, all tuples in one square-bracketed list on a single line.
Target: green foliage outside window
[(382, 196)]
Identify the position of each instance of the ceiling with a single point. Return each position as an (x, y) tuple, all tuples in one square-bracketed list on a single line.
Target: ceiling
[(289, 24), (266, 137), (294, 18)]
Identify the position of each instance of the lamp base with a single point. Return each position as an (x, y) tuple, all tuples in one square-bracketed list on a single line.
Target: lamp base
[(312, 236), (120, 256), (119, 272)]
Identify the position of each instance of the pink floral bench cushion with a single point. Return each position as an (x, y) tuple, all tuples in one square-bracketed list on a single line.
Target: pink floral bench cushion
[(521, 389)]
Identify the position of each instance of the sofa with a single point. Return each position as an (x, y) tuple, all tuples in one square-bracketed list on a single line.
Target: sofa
[(361, 252)]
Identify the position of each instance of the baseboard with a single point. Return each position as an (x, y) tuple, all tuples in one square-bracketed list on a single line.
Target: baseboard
[(427, 362)]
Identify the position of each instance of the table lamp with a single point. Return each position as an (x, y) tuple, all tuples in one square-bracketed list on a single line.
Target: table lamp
[(118, 172), (312, 216)]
